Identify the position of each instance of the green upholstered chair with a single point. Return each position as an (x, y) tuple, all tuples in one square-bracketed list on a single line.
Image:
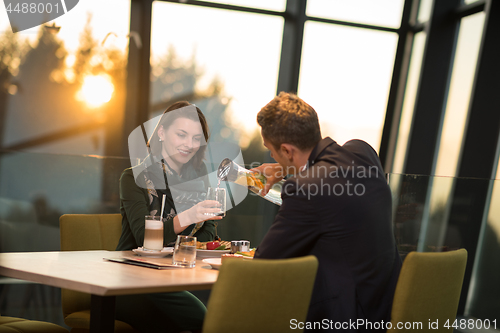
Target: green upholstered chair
[(260, 295), (18, 325), (429, 288), (81, 232)]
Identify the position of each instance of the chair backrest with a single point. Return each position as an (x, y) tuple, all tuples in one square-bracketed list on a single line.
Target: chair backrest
[(428, 289), (80, 232), (260, 295)]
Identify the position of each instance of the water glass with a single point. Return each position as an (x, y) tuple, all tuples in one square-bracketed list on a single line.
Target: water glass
[(219, 195), (184, 251), (153, 233)]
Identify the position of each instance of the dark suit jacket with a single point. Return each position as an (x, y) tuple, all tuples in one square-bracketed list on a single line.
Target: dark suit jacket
[(339, 209)]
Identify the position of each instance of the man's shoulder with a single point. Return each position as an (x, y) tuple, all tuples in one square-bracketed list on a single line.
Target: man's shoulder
[(357, 146), (356, 142), (360, 153)]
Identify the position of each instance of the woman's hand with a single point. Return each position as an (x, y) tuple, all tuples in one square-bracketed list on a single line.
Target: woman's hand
[(273, 172), (197, 213)]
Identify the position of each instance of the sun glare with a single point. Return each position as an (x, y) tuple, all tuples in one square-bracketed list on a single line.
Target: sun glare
[(96, 90)]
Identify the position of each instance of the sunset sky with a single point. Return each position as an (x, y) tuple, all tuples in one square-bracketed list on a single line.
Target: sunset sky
[(345, 72)]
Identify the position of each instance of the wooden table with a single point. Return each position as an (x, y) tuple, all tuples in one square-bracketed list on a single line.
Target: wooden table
[(87, 272)]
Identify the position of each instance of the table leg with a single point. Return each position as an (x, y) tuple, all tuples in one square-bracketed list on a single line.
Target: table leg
[(102, 314)]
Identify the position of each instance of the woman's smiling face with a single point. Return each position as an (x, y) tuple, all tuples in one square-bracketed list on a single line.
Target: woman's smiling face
[(180, 141)]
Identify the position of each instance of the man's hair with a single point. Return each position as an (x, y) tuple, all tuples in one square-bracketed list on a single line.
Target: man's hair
[(288, 119)]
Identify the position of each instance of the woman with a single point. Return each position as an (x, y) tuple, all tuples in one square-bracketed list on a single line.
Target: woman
[(174, 168)]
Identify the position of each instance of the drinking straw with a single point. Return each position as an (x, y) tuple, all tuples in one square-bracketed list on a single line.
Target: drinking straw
[(162, 206)]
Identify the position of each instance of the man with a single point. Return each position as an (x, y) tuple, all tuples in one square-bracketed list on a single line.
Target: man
[(337, 207)]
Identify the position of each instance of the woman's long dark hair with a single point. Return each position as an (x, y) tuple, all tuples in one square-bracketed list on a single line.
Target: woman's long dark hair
[(168, 118)]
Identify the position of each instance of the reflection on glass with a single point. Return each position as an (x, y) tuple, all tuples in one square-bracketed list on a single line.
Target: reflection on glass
[(411, 214), (407, 193), (278, 5), (469, 40), (424, 10), (376, 12), (469, 1), (345, 76), (214, 60), (482, 300), (436, 213), (439, 202), (409, 103), (37, 188)]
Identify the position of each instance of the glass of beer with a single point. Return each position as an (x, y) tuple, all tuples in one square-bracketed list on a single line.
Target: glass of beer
[(153, 233), (184, 251)]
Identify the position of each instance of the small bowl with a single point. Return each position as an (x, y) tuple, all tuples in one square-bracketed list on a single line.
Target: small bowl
[(216, 263)]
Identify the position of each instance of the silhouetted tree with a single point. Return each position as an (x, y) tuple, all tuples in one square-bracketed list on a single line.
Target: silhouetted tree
[(12, 52)]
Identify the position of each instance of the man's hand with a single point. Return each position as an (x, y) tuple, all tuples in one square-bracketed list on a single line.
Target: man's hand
[(273, 172)]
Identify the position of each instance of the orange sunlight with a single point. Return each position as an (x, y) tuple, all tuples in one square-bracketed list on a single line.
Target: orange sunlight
[(96, 90)]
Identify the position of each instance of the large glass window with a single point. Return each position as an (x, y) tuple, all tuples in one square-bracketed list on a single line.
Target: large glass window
[(457, 107), (376, 12), (227, 63), (424, 10), (454, 123), (409, 103), (278, 5), (65, 86), (62, 90), (345, 76), (62, 93), (214, 58)]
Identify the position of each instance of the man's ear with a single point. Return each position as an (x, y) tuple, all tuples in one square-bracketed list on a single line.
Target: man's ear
[(288, 151)]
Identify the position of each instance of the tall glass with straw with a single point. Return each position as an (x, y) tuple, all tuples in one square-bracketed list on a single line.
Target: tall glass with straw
[(153, 231)]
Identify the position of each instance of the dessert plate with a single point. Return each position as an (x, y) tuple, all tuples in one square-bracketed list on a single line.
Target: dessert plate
[(154, 254)]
